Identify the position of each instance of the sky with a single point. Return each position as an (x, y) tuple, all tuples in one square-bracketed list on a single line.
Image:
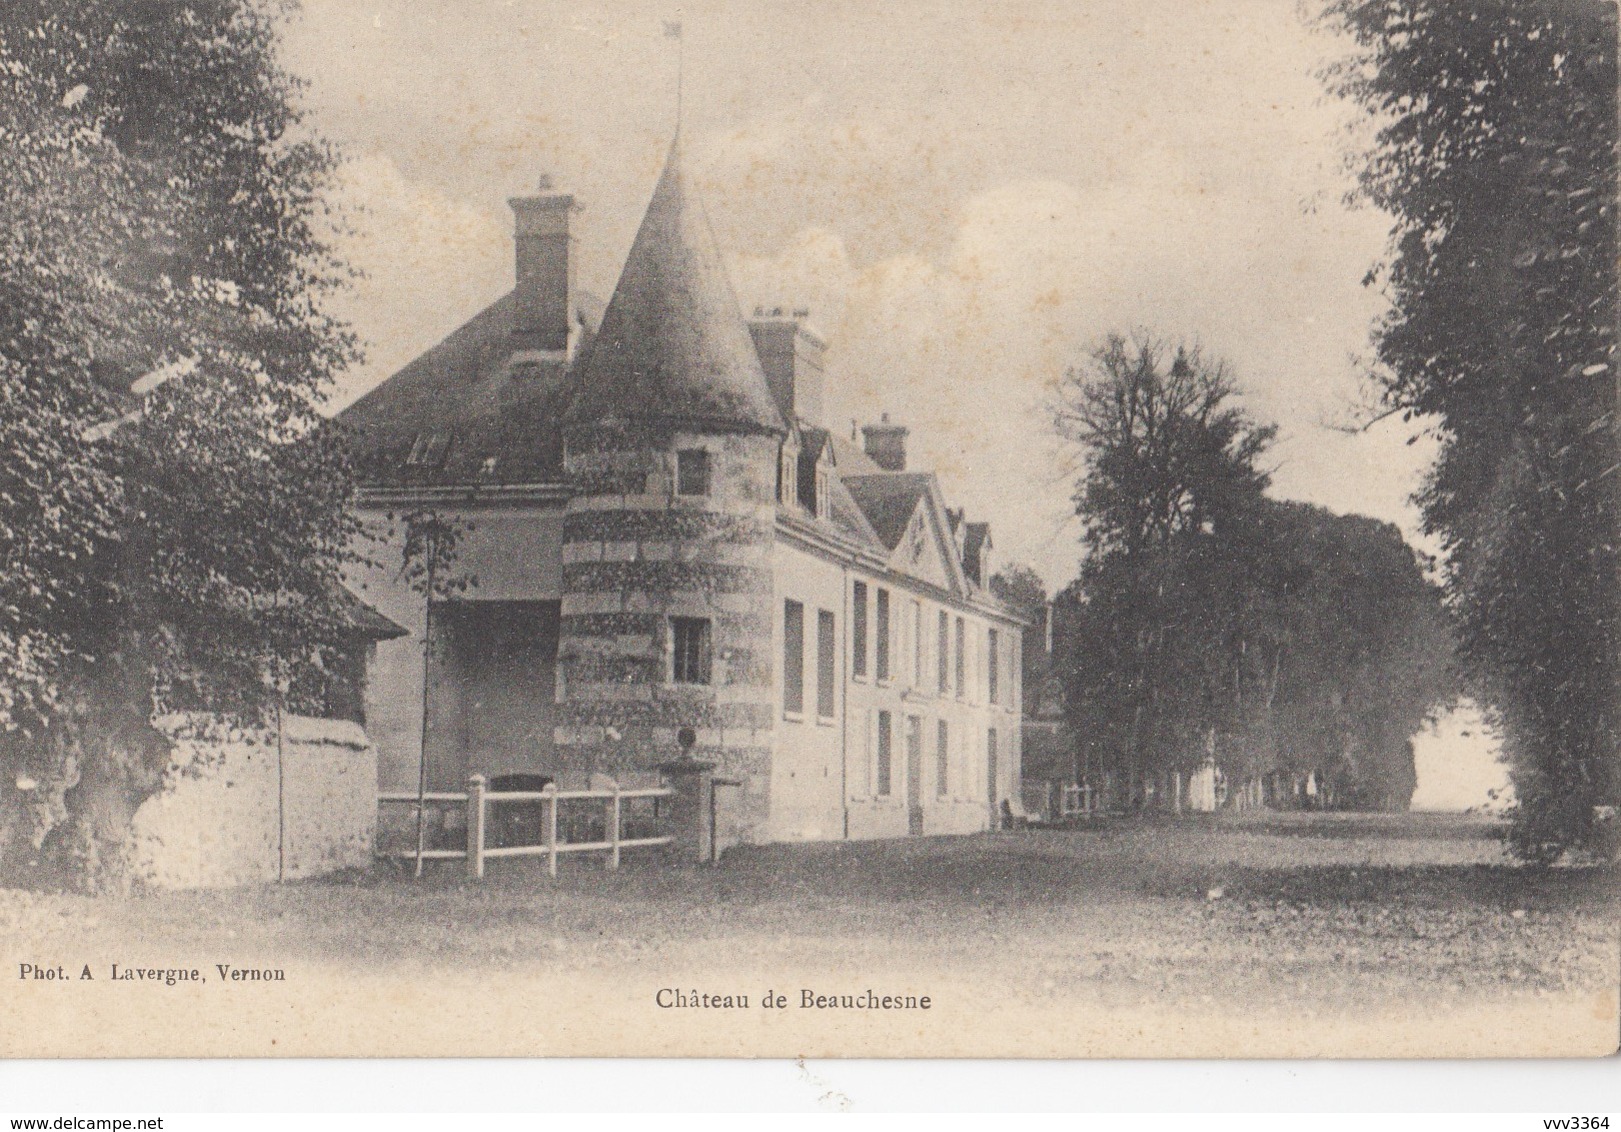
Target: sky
[(967, 196)]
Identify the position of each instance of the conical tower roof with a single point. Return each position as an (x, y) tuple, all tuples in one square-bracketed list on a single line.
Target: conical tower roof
[(673, 344)]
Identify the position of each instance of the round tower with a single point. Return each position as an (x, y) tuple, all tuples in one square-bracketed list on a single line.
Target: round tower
[(671, 448)]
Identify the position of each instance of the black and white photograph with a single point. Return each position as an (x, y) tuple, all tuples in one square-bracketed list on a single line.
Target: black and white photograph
[(587, 528)]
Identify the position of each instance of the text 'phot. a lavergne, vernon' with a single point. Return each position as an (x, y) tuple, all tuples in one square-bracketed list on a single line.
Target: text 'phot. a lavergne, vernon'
[(156, 976)]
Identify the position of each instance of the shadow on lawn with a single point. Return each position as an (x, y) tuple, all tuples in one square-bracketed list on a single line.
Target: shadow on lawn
[(1261, 859), (1121, 861), (1020, 870)]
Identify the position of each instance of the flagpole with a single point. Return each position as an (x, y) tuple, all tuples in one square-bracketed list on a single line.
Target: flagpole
[(672, 30)]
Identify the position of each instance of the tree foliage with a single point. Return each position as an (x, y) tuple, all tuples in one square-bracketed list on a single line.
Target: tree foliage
[(1022, 590), (1358, 649), (173, 515), (1209, 620), (1496, 153), (1170, 460)]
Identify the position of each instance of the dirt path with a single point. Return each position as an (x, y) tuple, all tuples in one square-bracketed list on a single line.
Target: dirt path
[(1278, 919)]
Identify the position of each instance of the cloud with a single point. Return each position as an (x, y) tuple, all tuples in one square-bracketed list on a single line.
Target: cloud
[(965, 196), (429, 262), (965, 346)]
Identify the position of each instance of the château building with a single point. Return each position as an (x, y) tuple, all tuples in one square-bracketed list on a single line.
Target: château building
[(658, 530)]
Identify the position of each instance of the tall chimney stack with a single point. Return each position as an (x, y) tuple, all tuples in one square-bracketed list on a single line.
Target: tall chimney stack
[(791, 355), (886, 444), (545, 262)]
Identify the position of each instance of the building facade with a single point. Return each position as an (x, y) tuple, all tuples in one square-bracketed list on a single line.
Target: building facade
[(653, 530)]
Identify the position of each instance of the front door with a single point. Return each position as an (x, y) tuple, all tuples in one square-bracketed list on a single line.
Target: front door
[(493, 702), (914, 775)]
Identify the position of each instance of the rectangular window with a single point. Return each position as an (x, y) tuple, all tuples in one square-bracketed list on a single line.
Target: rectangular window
[(962, 659), (917, 644), (692, 472), (827, 653), (1015, 696), (991, 662), (793, 657), (914, 759), (881, 635), (858, 630), (990, 765), (942, 759), (943, 641), (883, 785), (691, 663)]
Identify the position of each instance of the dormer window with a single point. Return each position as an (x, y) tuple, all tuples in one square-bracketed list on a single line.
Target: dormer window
[(428, 450), (692, 472), (824, 504)]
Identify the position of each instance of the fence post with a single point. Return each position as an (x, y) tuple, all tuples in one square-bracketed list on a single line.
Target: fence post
[(551, 828), (613, 828), (689, 781), (475, 827)]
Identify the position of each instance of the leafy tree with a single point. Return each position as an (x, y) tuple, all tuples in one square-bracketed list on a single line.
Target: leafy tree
[(1355, 651), (428, 566), (1171, 476), (1022, 589), (1496, 153), (173, 515), (1209, 620)]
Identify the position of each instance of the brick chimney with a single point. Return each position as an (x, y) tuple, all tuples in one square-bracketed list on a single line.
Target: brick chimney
[(886, 444), (791, 355), (545, 262)]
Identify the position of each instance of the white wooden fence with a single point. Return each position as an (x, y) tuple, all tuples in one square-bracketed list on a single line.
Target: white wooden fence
[(1077, 801), (1053, 801), (478, 801)]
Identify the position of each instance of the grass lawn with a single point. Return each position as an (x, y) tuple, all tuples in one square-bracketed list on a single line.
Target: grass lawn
[(1276, 916)]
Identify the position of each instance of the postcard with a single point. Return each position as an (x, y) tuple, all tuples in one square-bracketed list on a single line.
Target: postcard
[(994, 530)]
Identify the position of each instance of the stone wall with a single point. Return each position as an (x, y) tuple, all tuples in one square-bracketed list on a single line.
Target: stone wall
[(226, 815), (636, 554)]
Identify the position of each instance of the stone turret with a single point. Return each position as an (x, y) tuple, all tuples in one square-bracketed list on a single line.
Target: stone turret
[(671, 447)]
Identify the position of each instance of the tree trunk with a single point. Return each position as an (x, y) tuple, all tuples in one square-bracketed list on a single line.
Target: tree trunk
[(113, 764)]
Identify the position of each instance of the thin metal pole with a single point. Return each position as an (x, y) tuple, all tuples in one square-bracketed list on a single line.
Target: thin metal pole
[(613, 828)]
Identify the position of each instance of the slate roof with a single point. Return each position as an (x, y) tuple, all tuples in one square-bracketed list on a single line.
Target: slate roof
[(363, 620), (464, 403), (845, 517), (673, 345), (888, 499), (852, 459), (850, 518)]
